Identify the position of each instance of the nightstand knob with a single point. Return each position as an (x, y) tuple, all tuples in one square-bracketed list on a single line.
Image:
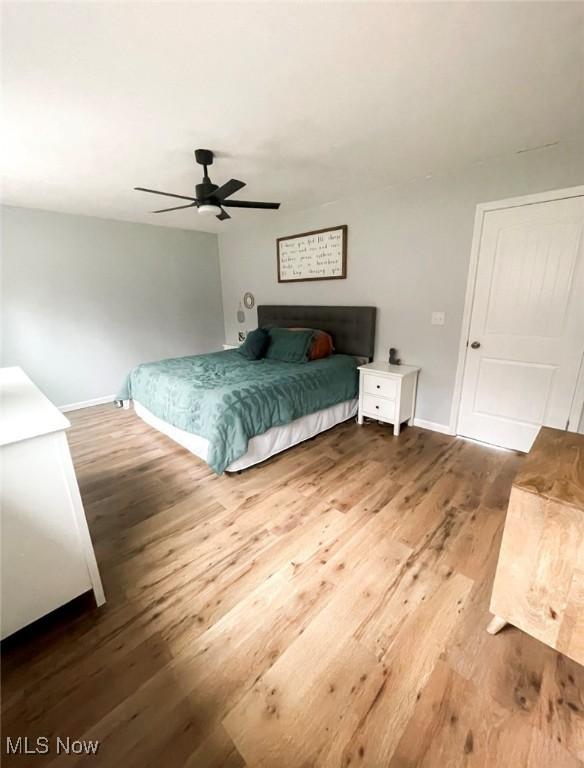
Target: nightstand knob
[(377, 407), (378, 387)]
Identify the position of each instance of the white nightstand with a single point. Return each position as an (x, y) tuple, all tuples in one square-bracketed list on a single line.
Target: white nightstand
[(387, 393)]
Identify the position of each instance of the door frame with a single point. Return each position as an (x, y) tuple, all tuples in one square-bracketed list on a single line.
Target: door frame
[(481, 210)]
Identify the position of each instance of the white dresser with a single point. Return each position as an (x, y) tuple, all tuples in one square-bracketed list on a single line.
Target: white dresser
[(387, 393), (47, 554)]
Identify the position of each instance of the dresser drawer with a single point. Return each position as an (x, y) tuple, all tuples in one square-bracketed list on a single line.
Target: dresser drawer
[(380, 385), (378, 407)]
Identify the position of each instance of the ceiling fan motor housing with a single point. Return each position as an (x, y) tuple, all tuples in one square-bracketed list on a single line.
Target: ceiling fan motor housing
[(205, 190)]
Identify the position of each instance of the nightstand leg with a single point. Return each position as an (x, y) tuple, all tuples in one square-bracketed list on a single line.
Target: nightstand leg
[(396, 428), (360, 418)]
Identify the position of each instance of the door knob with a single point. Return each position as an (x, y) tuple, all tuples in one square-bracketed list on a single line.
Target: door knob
[(475, 345)]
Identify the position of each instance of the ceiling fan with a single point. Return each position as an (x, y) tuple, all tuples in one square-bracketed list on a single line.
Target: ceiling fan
[(211, 199)]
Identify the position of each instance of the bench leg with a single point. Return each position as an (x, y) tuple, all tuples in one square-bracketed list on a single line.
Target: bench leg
[(496, 625)]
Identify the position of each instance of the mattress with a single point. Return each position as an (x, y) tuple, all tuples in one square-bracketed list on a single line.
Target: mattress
[(260, 447), (229, 400)]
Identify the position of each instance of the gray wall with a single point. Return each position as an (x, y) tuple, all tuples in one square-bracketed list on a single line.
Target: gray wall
[(85, 299), (408, 254)]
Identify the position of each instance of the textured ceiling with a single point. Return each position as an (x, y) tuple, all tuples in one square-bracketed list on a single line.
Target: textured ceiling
[(305, 102)]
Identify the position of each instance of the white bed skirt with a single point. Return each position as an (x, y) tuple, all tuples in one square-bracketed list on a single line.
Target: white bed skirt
[(261, 447)]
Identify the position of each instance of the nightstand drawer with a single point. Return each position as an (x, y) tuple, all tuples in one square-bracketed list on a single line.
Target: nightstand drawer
[(380, 385), (378, 406)]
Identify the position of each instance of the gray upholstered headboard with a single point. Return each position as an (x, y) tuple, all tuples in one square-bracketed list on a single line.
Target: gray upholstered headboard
[(352, 328)]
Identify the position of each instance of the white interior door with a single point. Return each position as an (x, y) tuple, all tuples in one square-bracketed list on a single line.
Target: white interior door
[(526, 341)]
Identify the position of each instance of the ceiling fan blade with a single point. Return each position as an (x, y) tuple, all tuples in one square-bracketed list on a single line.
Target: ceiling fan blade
[(223, 215), (229, 188), (166, 194), (249, 204), (178, 208)]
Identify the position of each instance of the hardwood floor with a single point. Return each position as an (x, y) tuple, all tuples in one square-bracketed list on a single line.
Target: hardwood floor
[(328, 608)]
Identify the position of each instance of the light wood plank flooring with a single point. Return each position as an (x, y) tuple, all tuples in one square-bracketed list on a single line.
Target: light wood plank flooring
[(327, 608)]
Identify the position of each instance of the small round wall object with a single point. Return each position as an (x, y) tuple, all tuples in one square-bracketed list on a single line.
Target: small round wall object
[(248, 300)]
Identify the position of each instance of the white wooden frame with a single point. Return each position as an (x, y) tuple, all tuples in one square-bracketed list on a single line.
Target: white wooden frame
[(481, 210), (77, 506)]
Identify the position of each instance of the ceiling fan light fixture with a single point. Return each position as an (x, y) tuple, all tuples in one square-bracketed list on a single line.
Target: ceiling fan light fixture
[(209, 209)]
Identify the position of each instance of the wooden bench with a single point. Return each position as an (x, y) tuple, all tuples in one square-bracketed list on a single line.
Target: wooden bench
[(539, 583)]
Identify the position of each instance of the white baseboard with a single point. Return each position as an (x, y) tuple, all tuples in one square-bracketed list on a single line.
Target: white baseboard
[(434, 426), (87, 403)]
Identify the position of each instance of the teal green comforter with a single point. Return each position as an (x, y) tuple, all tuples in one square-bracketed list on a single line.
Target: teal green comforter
[(227, 399)]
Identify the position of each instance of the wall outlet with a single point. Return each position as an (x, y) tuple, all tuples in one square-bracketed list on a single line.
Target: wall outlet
[(438, 318)]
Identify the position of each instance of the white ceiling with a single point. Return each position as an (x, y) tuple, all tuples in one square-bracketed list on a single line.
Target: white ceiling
[(305, 102)]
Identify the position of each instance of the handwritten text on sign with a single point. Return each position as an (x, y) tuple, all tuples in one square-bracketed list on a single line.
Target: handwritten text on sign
[(313, 256)]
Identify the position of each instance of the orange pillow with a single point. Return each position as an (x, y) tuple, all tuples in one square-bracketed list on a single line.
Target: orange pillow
[(321, 346)]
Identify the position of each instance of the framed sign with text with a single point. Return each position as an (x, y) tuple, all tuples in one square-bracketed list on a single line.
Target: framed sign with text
[(318, 255)]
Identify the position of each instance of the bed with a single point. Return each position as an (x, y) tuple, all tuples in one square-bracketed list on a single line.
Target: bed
[(234, 413)]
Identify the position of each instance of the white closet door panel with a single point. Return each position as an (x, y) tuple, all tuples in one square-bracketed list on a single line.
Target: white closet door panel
[(528, 320)]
